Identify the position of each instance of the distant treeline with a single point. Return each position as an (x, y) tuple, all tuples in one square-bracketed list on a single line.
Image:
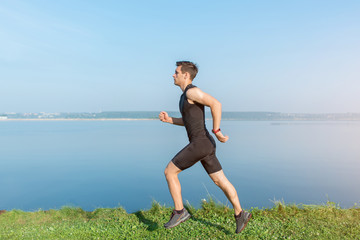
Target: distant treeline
[(238, 116)]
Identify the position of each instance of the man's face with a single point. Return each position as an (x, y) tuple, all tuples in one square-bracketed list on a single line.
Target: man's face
[(178, 76)]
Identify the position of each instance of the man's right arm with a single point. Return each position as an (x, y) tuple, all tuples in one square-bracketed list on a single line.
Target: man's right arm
[(164, 117)]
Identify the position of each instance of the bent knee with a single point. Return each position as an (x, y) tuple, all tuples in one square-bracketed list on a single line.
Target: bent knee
[(217, 182), (167, 172), (171, 172), (220, 181)]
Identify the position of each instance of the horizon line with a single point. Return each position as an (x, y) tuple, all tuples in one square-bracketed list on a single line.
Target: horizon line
[(5, 113)]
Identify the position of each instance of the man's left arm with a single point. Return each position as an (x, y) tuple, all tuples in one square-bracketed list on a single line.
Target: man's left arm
[(196, 95)]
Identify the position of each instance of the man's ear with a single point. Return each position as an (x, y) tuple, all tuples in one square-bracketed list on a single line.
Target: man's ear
[(187, 75)]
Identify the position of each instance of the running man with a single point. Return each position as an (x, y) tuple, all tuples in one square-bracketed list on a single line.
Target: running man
[(201, 147)]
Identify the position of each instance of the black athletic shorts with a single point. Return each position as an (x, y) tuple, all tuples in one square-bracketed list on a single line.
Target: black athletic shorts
[(200, 149)]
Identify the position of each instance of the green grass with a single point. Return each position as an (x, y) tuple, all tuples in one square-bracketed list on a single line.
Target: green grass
[(211, 221)]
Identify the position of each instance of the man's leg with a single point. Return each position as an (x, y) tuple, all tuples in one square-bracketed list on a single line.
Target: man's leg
[(241, 217), (171, 174), (229, 190), (179, 214)]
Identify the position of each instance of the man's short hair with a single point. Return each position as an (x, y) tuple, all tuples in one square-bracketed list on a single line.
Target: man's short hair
[(187, 66)]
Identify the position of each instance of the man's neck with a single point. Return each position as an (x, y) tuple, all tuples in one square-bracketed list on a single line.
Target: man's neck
[(183, 86)]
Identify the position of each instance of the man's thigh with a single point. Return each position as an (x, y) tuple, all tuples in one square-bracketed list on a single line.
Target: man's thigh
[(211, 164), (187, 157)]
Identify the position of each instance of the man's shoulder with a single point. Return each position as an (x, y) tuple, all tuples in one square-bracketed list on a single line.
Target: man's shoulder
[(194, 93), (192, 90)]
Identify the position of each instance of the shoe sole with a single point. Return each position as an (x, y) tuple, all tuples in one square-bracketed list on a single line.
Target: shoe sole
[(181, 221), (245, 223)]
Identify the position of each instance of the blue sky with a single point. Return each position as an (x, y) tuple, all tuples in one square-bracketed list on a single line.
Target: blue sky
[(91, 56)]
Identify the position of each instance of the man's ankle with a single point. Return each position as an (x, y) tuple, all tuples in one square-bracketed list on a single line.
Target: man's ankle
[(179, 211), (239, 214)]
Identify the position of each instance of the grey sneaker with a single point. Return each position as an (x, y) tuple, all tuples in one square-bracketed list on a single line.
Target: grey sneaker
[(242, 220), (177, 218)]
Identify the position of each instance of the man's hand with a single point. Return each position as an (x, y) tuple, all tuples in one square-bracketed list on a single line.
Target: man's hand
[(164, 117), (221, 137)]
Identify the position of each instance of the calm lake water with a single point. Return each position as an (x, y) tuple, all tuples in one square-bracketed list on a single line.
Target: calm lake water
[(91, 164)]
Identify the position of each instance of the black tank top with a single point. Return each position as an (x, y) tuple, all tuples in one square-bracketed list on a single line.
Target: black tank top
[(193, 116)]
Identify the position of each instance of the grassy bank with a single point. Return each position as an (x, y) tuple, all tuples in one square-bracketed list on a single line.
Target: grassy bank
[(211, 221)]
